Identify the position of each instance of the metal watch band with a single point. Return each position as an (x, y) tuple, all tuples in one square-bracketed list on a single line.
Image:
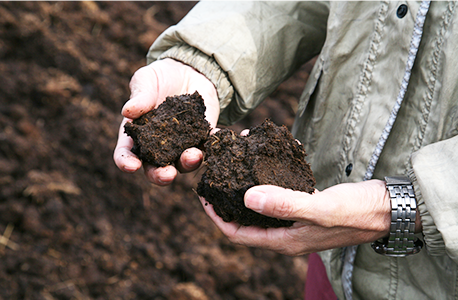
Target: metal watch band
[(402, 240)]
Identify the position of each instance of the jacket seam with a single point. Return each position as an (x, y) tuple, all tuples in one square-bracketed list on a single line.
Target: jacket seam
[(364, 83), (429, 94), (413, 50), (456, 289), (363, 87), (394, 278)]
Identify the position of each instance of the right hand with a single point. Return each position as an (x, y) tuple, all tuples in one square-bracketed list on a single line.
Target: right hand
[(339, 216), (149, 87)]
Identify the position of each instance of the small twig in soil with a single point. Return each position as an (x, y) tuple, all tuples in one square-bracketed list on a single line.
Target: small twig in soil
[(5, 238), (113, 280), (181, 112), (217, 140)]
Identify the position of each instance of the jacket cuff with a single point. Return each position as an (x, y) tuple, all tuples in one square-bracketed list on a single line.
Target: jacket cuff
[(435, 245), (204, 64)]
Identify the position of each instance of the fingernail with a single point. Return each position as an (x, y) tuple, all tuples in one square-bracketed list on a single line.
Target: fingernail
[(161, 182), (192, 161), (164, 181), (129, 169), (255, 200), (191, 158)]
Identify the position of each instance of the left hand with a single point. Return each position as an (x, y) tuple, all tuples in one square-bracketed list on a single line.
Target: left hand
[(342, 215), (150, 86)]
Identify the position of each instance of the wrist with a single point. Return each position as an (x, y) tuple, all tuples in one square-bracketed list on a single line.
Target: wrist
[(382, 203)]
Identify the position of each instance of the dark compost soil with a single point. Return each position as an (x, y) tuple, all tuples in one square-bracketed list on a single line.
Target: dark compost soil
[(269, 154), (72, 226), (162, 134)]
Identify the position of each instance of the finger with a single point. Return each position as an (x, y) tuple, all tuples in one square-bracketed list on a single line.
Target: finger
[(277, 202), (274, 239), (190, 160), (236, 233), (160, 176), (138, 105), (251, 236), (144, 93), (228, 228), (124, 159)]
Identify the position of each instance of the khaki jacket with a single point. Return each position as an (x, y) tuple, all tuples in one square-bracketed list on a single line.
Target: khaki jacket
[(247, 49)]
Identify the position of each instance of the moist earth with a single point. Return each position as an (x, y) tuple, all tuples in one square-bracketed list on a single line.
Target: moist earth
[(162, 134), (268, 155)]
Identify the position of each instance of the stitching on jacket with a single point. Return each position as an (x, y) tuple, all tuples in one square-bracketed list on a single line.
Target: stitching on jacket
[(429, 94), (394, 279), (456, 290), (365, 81), (414, 45)]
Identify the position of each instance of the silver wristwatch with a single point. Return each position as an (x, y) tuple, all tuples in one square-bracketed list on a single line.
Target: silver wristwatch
[(402, 240)]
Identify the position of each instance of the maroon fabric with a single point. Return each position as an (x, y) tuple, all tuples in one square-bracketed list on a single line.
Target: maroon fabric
[(317, 285)]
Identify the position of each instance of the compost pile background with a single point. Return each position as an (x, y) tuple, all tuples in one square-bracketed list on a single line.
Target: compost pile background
[(72, 226)]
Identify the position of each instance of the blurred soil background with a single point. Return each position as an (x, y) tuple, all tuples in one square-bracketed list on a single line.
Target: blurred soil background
[(72, 226)]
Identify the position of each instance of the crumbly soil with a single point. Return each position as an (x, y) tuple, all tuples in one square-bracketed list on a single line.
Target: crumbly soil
[(267, 155), (72, 225), (162, 134)]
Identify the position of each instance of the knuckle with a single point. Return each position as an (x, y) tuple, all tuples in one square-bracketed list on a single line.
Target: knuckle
[(284, 209), (233, 238)]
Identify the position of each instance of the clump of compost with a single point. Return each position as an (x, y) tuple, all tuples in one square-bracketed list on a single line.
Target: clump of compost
[(269, 154), (162, 134)]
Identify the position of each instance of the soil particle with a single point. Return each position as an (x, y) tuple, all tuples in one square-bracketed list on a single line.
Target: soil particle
[(268, 155), (161, 135), (187, 291)]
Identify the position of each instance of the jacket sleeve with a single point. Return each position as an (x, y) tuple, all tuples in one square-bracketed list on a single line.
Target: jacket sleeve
[(245, 48), (436, 181)]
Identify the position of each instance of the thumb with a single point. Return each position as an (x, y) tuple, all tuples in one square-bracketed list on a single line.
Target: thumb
[(144, 93), (138, 105), (276, 202)]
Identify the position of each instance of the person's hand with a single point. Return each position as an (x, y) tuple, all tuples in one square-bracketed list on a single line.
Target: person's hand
[(149, 87), (342, 215)]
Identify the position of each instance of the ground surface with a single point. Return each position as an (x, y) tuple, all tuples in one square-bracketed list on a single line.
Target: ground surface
[(72, 226)]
